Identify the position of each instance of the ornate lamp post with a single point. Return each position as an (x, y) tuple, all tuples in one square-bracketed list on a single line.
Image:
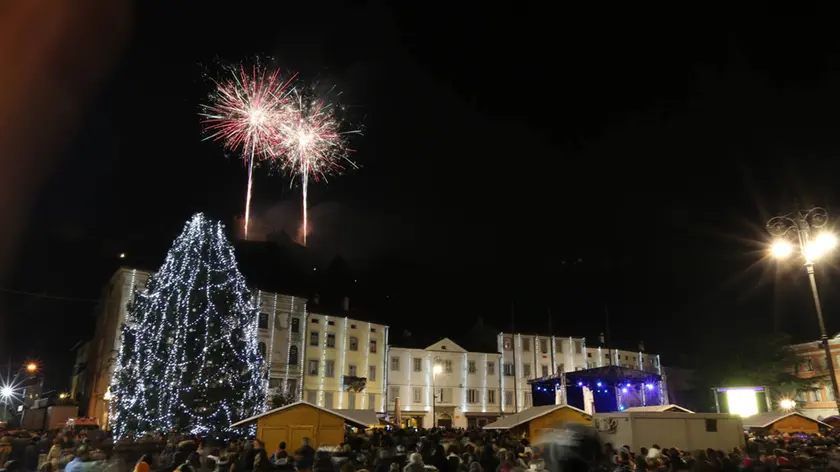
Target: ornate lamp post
[(812, 247)]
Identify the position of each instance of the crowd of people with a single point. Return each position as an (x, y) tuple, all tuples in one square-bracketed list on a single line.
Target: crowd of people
[(409, 450)]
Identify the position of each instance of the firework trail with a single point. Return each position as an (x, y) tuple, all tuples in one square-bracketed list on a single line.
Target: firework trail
[(309, 143), (243, 114)]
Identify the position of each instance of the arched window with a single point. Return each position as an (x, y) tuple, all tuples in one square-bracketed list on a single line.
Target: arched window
[(293, 355), (262, 349)]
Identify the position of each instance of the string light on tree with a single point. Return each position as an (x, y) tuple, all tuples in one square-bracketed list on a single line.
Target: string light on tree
[(189, 359)]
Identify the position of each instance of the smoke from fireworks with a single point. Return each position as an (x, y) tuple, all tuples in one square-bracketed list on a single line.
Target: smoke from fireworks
[(244, 113), (309, 143)]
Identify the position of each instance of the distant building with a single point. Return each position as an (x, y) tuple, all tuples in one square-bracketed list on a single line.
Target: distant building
[(344, 362), (526, 357), (818, 401), (601, 357), (466, 392)]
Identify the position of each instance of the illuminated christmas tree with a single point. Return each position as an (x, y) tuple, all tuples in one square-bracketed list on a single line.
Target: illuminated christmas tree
[(189, 359)]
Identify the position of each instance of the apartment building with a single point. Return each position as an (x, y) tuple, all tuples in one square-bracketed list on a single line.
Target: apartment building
[(344, 362), (444, 385), (529, 356), (818, 401)]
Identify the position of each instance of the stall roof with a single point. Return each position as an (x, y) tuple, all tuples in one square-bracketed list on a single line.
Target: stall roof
[(369, 417), (764, 420), (524, 416), (658, 408), (354, 420)]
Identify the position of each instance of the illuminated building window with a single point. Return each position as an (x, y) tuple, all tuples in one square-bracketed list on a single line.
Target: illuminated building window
[(491, 368), (354, 343)]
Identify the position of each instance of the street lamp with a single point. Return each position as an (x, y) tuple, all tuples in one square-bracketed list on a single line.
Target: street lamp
[(435, 370), (787, 404), (812, 248), (31, 367)]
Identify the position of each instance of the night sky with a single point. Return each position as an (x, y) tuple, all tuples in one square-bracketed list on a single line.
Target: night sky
[(558, 162)]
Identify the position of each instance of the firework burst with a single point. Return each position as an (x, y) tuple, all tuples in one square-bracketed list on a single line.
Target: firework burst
[(244, 114), (309, 144)]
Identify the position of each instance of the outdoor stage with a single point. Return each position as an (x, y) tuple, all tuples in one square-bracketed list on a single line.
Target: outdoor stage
[(602, 389)]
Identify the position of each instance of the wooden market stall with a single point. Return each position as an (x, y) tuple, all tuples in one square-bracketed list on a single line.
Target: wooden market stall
[(292, 423), (783, 422), (533, 422)]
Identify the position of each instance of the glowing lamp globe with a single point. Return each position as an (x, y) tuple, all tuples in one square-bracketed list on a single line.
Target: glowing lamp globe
[(6, 392), (781, 249)]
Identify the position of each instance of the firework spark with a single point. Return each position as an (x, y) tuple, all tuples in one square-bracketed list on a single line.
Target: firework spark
[(244, 113), (309, 143)]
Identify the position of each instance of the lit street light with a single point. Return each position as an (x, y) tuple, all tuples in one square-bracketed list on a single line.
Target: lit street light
[(31, 367), (812, 248), (787, 404), (6, 392)]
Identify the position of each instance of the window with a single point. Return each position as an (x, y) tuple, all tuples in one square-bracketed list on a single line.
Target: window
[(261, 347), (589, 355), (544, 345), (711, 426), (371, 400), (328, 399), (395, 364), (275, 383), (263, 321), (352, 370), (313, 338), (829, 393), (817, 395), (447, 366), (508, 370), (560, 368), (330, 323), (472, 396), (445, 395), (373, 330), (471, 367), (578, 347), (329, 368), (354, 343), (528, 401), (295, 327), (526, 370), (394, 394), (558, 346), (351, 400), (806, 366), (293, 355), (291, 387), (315, 321), (506, 344), (313, 367), (330, 340), (312, 397), (526, 344), (491, 396), (418, 395), (372, 372), (418, 364), (491, 368), (508, 397), (373, 346), (544, 371)]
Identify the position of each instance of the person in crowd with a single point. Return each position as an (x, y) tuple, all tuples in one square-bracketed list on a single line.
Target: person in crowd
[(305, 456), (415, 463)]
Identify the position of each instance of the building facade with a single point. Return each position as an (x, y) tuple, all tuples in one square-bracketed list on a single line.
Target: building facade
[(639, 360), (281, 340), (344, 363), (817, 402), (444, 385), (526, 357)]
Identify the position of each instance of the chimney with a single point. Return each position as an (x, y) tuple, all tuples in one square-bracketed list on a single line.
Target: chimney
[(641, 346), (345, 304)]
